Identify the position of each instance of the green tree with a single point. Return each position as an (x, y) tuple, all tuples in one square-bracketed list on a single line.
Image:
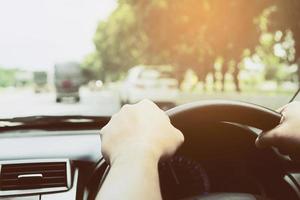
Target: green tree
[(7, 77), (286, 17), (183, 33), (193, 33), (119, 42)]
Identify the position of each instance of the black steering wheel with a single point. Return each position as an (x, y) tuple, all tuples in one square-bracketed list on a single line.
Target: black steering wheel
[(193, 114), (226, 111), (212, 111)]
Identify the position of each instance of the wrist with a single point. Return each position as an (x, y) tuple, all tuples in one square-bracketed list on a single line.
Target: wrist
[(136, 155)]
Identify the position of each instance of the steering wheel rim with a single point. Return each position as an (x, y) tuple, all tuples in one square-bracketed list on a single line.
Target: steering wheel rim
[(225, 111), (235, 112)]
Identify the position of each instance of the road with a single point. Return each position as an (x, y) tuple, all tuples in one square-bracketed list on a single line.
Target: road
[(27, 103), (106, 102)]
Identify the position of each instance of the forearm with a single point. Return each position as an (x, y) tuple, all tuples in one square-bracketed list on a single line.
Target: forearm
[(133, 141), (132, 178)]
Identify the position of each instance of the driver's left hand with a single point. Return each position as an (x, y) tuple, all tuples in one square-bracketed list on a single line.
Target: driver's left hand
[(286, 136)]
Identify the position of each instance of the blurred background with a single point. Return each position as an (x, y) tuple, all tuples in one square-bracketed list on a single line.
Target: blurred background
[(75, 57)]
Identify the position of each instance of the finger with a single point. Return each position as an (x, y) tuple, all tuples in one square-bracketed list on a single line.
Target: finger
[(269, 138), (180, 136), (127, 107), (148, 103), (263, 140)]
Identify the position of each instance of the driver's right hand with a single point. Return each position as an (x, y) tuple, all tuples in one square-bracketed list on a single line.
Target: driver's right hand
[(140, 130)]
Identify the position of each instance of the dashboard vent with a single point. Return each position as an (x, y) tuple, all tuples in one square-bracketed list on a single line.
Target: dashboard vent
[(33, 175)]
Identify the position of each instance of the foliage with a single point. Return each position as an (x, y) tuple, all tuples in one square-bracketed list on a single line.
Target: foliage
[(7, 77), (192, 34), (285, 18), (91, 67), (119, 42), (276, 48)]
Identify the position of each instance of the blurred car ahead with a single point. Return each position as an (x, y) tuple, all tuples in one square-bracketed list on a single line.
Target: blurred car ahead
[(68, 79), (40, 79), (142, 82)]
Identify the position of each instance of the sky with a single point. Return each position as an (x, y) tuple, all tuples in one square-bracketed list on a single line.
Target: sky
[(36, 34)]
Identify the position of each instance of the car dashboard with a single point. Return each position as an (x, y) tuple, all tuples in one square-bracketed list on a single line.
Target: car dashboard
[(41, 164), (67, 165)]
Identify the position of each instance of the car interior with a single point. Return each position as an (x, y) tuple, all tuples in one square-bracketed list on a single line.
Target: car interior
[(60, 158), (218, 69)]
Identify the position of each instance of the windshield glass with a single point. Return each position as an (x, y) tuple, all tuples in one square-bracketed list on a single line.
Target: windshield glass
[(75, 57)]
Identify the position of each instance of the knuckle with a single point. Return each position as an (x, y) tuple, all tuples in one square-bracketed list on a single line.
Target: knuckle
[(167, 118), (146, 101), (126, 107), (180, 136), (276, 134)]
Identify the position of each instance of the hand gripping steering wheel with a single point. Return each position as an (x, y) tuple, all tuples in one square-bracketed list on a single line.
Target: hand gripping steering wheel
[(193, 114)]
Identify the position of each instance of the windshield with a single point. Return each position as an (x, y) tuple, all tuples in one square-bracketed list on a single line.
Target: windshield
[(75, 57)]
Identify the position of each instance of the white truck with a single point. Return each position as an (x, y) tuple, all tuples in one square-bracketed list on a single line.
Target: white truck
[(68, 79)]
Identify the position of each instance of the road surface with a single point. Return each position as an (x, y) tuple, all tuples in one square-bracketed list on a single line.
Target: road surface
[(26, 103), (18, 103)]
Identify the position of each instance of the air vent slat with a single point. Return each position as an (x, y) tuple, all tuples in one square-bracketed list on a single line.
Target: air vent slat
[(36, 186), (33, 176), (34, 171), (51, 167), (14, 179), (52, 179), (35, 164)]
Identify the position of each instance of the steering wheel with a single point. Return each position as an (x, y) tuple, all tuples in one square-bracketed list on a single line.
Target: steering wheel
[(193, 114), (224, 111), (212, 111)]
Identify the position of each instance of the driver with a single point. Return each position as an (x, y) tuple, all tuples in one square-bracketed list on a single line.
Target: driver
[(133, 142), (140, 135)]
